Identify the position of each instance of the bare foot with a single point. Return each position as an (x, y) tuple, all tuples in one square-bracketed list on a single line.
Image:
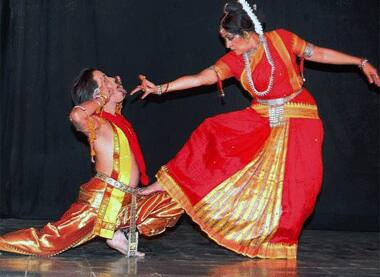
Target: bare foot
[(150, 189), (120, 243)]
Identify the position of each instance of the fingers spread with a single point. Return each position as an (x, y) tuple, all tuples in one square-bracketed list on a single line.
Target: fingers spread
[(136, 89), (145, 95)]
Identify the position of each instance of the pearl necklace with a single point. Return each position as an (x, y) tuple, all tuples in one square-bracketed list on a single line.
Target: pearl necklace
[(247, 66)]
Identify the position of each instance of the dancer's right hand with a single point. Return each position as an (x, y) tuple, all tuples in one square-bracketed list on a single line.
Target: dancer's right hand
[(155, 187), (146, 86)]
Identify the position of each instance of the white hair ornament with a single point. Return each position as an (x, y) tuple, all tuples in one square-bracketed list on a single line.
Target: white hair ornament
[(246, 56), (247, 8)]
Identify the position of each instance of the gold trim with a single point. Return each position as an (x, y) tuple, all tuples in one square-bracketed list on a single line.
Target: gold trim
[(116, 152), (223, 70), (278, 251), (295, 79), (108, 221), (171, 186), (113, 198), (298, 45), (243, 212), (291, 110), (125, 157)]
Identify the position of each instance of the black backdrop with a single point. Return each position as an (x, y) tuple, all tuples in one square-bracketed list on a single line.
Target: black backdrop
[(44, 44)]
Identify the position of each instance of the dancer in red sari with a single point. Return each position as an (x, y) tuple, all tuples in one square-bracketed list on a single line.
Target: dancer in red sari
[(250, 178), (108, 202)]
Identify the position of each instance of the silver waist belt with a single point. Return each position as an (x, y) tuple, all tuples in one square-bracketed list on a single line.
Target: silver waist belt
[(279, 101), (276, 108), (116, 184)]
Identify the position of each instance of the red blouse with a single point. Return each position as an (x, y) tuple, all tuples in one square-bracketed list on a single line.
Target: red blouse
[(286, 49)]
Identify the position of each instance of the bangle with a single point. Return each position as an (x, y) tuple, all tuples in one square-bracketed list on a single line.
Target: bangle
[(98, 102), (309, 50), (159, 89), (81, 108), (362, 63), (101, 100), (104, 97), (167, 87)]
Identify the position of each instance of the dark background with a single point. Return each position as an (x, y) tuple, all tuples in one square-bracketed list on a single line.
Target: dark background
[(44, 45)]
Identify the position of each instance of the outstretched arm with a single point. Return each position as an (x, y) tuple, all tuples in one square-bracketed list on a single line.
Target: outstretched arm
[(329, 56), (206, 77)]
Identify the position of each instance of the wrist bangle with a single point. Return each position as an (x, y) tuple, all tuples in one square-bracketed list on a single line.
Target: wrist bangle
[(101, 100), (159, 89), (362, 63), (167, 87), (98, 102), (105, 98)]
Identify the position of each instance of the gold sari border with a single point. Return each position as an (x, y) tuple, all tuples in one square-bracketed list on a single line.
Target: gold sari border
[(266, 250), (298, 45), (294, 78), (277, 251), (172, 188), (223, 70)]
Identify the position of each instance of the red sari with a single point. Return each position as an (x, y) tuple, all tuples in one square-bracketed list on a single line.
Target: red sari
[(251, 187)]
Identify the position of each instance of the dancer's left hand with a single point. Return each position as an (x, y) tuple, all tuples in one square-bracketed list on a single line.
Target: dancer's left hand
[(146, 86)]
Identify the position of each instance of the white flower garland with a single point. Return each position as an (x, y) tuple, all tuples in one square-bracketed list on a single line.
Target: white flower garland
[(259, 30), (247, 8)]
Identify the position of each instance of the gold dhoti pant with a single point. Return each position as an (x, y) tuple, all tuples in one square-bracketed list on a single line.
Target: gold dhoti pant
[(155, 213)]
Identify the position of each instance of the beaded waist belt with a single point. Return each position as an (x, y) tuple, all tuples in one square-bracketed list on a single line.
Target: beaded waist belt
[(279, 101), (276, 108), (133, 237), (116, 184)]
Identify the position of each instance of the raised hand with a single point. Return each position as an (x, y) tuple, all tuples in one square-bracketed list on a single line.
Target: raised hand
[(146, 86)]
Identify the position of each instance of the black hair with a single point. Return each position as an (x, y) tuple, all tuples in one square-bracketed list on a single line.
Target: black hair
[(84, 86), (235, 20)]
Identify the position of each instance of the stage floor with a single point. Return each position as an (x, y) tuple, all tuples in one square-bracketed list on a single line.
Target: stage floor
[(185, 251)]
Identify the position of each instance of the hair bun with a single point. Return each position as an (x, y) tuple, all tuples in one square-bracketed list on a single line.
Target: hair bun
[(233, 7)]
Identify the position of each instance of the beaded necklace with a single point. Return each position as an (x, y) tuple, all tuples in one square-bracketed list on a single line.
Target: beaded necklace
[(247, 66)]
